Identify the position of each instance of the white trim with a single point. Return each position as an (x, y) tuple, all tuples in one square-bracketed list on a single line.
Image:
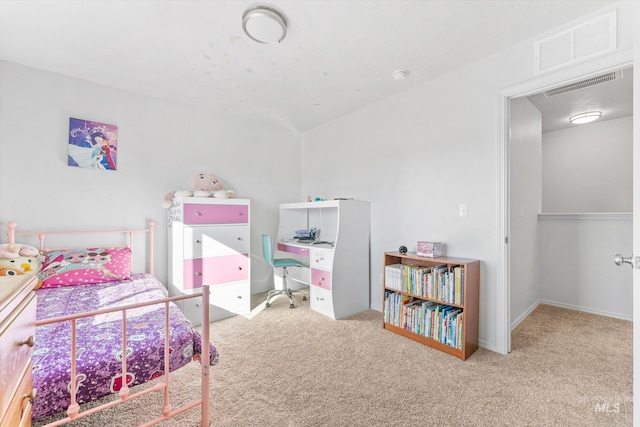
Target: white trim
[(524, 315), (503, 291), (487, 346), (569, 307), (627, 216), (587, 310), (611, 62), (636, 210)]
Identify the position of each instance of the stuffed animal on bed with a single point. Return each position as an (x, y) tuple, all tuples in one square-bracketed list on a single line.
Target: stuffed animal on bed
[(9, 271), (204, 185), (16, 257)]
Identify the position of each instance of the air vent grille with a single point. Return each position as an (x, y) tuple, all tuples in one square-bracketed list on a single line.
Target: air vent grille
[(592, 81), (593, 37)]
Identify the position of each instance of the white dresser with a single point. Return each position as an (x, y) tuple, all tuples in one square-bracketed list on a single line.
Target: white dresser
[(209, 244), (17, 338), (337, 264)]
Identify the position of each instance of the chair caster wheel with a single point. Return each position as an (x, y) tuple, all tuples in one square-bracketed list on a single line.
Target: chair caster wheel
[(304, 298), (267, 304), (290, 305)]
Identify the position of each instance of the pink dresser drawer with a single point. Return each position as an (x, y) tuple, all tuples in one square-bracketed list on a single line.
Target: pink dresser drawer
[(216, 214), (321, 278), (215, 270), (293, 249)]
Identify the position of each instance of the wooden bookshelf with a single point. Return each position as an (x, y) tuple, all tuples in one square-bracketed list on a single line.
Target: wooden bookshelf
[(465, 301)]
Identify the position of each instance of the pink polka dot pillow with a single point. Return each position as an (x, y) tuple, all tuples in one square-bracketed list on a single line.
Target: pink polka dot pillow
[(85, 267)]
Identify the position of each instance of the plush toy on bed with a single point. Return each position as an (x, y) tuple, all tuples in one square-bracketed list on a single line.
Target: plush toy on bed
[(8, 271), (23, 257), (16, 258), (204, 185)]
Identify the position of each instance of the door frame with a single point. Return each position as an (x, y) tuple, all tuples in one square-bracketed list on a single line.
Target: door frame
[(604, 64)]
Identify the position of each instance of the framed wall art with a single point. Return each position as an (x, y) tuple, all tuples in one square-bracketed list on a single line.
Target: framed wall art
[(92, 145)]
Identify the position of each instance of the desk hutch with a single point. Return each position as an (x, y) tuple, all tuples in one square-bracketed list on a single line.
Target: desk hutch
[(336, 265)]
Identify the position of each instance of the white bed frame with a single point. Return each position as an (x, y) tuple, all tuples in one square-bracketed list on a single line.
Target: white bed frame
[(73, 411)]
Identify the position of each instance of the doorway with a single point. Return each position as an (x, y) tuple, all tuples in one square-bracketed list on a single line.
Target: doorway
[(550, 81), (570, 197)]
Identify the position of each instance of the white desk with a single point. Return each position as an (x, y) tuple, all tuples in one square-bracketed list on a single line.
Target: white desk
[(338, 272)]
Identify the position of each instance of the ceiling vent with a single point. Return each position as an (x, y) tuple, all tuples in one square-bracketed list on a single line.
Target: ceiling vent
[(593, 37), (592, 81)]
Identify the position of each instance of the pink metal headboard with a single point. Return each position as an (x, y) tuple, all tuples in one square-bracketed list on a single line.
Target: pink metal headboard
[(12, 233)]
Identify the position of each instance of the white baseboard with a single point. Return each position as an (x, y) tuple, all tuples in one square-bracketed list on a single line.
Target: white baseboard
[(524, 315), (588, 310), (487, 346), (569, 306)]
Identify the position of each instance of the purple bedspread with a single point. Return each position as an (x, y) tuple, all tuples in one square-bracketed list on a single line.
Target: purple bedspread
[(99, 341)]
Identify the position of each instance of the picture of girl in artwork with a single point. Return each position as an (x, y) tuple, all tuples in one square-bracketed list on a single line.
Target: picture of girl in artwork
[(92, 145)]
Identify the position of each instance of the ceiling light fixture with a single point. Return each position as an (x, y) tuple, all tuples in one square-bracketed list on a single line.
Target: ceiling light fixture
[(400, 74), (582, 118), (264, 24)]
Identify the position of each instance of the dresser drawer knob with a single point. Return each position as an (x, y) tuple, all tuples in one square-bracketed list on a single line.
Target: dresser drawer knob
[(198, 213), (29, 342), (198, 241), (239, 268), (239, 213), (31, 395), (198, 273)]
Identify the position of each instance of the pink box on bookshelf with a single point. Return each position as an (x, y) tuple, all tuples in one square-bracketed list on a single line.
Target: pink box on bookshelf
[(429, 249)]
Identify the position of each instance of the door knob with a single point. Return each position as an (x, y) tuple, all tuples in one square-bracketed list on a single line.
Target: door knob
[(619, 260)]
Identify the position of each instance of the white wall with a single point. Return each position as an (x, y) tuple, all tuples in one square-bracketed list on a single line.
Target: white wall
[(576, 263), (567, 260), (525, 146), (417, 155), (588, 168), (161, 146)]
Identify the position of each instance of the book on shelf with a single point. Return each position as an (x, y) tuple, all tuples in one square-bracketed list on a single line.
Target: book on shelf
[(393, 276), (433, 301), (459, 282), (443, 283), (440, 322)]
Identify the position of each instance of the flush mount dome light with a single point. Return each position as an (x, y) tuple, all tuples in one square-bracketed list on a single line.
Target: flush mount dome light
[(582, 118), (264, 24)]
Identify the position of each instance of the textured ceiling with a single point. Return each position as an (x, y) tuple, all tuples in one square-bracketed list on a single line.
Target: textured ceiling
[(338, 56)]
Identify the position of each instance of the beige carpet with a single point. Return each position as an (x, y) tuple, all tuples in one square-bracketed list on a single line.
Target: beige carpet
[(296, 367)]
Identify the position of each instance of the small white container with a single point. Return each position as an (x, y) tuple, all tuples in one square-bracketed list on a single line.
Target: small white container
[(429, 249)]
